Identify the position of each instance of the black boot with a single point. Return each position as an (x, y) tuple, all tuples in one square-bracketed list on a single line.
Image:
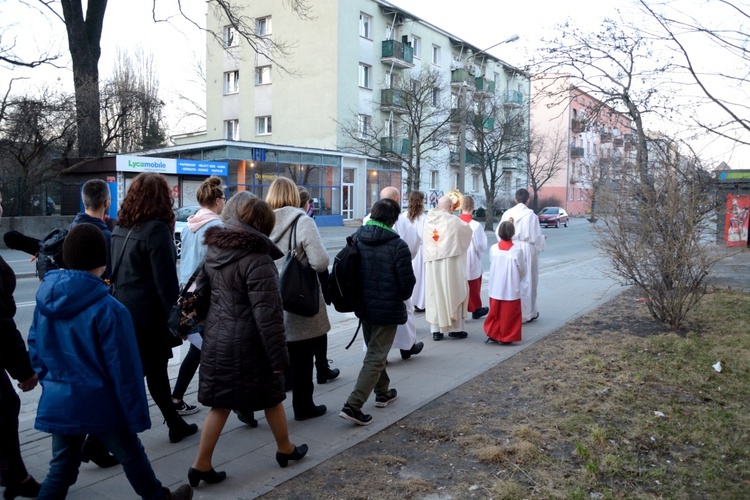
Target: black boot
[(27, 489), (93, 450)]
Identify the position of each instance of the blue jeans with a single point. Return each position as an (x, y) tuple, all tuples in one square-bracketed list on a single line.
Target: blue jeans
[(123, 444)]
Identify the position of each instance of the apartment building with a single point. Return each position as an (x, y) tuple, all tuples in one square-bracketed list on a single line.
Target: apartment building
[(598, 140), (291, 117)]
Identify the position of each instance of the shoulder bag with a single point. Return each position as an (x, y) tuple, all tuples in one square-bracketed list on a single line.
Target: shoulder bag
[(298, 282), (188, 314)]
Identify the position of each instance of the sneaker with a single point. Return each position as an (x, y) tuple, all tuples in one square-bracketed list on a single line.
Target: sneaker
[(185, 409), (479, 313), (355, 416), (382, 401), (458, 335), (437, 336)]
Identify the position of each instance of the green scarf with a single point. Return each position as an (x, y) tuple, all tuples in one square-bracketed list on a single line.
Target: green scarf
[(373, 222)]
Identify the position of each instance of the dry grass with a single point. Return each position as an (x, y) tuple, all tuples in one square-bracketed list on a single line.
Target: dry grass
[(578, 419)]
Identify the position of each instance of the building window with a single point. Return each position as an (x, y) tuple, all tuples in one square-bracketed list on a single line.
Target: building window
[(262, 75), (388, 33), (436, 55), (434, 180), (231, 82), (455, 180), (414, 86), (263, 125), (435, 96), (475, 183), (364, 75), (365, 26), (263, 26), (416, 45), (230, 36), (232, 130), (363, 126)]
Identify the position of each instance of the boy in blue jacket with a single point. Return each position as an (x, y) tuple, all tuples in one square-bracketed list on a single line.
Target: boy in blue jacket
[(83, 348)]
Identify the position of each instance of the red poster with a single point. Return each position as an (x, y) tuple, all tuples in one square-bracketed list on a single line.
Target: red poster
[(735, 232)]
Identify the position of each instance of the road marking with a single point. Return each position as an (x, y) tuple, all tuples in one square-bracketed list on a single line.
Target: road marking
[(26, 304)]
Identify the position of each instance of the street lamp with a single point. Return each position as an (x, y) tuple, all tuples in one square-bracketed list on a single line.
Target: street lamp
[(461, 178)]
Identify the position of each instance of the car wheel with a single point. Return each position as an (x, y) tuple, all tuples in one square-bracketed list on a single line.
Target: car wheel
[(566, 223), (557, 224), (178, 245)]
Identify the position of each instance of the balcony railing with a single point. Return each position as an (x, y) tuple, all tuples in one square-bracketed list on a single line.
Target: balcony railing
[(393, 100), (397, 53), (487, 122), (394, 145), (484, 85), (606, 136), (576, 152), (470, 158), (513, 98), (578, 125), (461, 76)]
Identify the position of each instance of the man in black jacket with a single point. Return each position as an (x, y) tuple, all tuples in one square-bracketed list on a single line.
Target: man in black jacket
[(387, 281)]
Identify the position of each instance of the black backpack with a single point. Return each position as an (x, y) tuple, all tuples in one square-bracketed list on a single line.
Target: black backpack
[(345, 282), (50, 254)]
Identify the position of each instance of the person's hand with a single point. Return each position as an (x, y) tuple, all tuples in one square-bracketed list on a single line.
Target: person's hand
[(28, 384)]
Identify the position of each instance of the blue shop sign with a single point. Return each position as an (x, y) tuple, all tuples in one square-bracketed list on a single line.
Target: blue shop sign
[(202, 167)]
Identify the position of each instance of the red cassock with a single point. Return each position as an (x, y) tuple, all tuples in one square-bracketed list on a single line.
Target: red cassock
[(503, 323)]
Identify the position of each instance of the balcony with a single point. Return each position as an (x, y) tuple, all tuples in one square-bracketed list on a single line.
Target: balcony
[(393, 100), (460, 77), (484, 85), (470, 158), (618, 142), (576, 152), (395, 146), (605, 137), (573, 179), (397, 53), (578, 125), (486, 122), (513, 98)]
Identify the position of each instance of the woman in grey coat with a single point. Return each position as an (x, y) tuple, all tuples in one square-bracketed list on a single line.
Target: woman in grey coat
[(301, 331)]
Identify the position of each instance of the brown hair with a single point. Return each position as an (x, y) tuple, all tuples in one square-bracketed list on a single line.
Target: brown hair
[(258, 214), (234, 203), (467, 204), (210, 191), (304, 196), (282, 193), (148, 198), (506, 230), (416, 205)]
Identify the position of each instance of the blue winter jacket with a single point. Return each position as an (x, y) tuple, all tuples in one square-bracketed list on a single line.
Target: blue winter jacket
[(83, 347)]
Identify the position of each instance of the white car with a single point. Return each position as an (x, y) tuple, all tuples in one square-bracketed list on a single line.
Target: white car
[(180, 221)]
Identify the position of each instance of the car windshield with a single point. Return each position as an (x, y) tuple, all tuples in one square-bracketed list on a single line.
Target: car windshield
[(550, 210), (182, 214)]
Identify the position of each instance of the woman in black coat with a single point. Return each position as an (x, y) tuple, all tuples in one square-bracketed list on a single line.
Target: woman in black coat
[(244, 352), (144, 272)]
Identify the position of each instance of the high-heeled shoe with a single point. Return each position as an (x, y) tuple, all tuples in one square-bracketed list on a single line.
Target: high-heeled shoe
[(195, 476), (284, 458)]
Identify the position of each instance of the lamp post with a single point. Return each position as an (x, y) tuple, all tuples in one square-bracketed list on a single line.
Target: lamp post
[(461, 178)]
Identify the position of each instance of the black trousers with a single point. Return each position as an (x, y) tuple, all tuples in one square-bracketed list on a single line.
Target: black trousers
[(12, 469), (301, 365), (157, 380), (187, 372), (321, 355)]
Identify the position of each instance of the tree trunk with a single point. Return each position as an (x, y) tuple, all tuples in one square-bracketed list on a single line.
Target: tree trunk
[(84, 36)]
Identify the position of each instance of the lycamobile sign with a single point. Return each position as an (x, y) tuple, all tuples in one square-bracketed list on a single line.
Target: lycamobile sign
[(171, 166)]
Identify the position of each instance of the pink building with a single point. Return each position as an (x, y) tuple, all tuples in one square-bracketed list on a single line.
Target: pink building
[(593, 139)]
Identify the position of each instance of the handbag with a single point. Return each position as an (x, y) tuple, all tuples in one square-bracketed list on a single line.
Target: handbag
[(298, 282), (188, 314), (111, 280)]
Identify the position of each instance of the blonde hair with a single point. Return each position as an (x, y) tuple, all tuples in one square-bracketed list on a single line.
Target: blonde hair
[(282, 193)]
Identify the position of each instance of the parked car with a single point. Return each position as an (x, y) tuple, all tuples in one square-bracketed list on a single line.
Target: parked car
[(180, 221), (553, 216), (36, 204)]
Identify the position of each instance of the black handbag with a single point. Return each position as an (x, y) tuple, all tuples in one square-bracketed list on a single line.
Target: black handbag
[(298, 282), (188, 314)]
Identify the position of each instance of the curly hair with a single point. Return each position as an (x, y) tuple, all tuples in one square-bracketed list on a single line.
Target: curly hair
[(147, 199), (416, 205), (282, 193), (209, 191)]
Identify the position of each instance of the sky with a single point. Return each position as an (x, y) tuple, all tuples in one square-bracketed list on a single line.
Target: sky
[(176, 45)]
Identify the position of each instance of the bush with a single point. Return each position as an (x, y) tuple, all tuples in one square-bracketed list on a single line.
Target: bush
[(549, 201)]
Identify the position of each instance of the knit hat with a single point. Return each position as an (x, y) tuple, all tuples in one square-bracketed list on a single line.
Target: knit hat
[(85, 248)]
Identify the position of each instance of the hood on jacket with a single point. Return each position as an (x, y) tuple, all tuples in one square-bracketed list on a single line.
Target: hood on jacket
[(240, 239), (201, 218), (375, 235), (63, 293)]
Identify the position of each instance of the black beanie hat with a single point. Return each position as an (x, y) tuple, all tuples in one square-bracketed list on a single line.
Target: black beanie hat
[(85, 248)]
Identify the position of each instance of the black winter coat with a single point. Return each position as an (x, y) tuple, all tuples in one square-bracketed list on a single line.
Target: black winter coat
[(243, 341), (146, 283), (387, 276), (13, 355)]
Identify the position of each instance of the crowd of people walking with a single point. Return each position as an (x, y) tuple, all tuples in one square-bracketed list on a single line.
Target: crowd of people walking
[(101, 321)]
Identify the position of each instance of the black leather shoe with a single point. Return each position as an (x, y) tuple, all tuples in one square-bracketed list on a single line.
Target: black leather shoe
[(243, 417), (331, 374), (195, 476), (181, 431), (479, 313), (437, 336), (458, 335), (94, 451), (316, 411), (284, 458), (415, 349), (28, 489)]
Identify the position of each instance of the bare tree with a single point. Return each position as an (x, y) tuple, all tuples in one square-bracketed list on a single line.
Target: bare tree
[(191, 109), (547, 156), (84, 32), (416, 127)]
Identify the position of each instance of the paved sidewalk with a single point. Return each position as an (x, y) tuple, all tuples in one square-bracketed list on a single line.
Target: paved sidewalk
[(247, 455)]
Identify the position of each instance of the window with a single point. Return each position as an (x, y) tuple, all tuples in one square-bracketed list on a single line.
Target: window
[(455, 179), (263, 125), (388, 33), (365, 25), (231, 82), (230, 36), (232, 130), (263, 26), (436, 55), (416, 44), (364, 75), (262, 75), (415, 86), (363, 126), (434, 179), (475, 183), (435, 96), (454, 100)]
